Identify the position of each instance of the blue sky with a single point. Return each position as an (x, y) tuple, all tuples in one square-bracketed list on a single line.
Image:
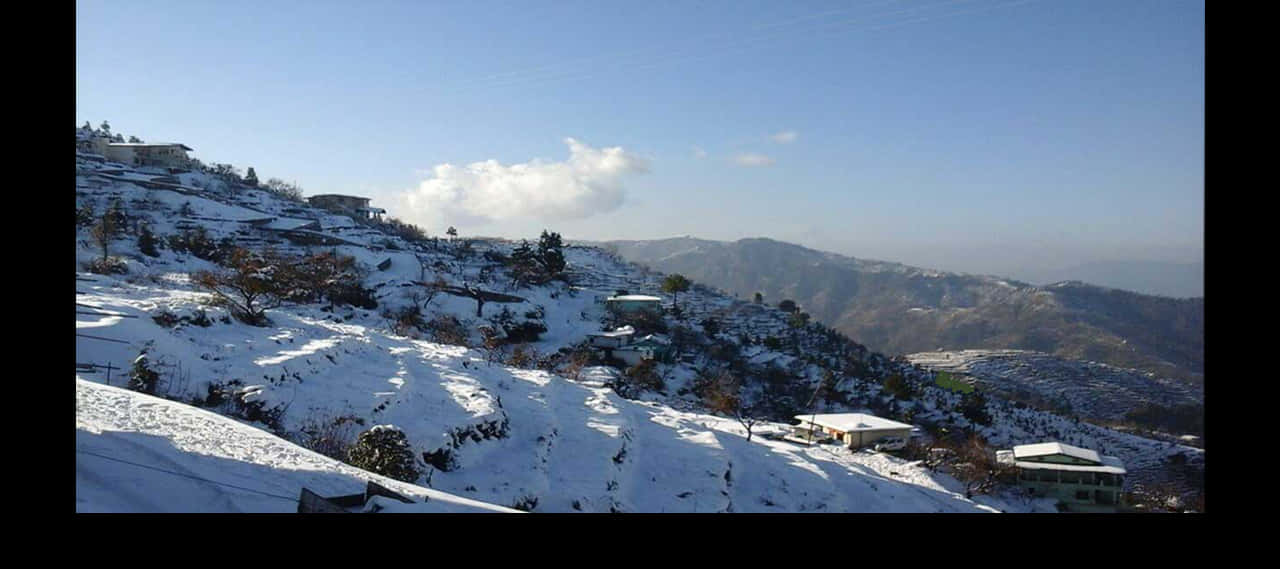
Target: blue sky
[(972, 135)]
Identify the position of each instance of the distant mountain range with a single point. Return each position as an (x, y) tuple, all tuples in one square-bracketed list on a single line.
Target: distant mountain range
[(1179, 280), (898, 309)]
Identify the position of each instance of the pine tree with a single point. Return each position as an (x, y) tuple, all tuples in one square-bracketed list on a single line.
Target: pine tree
[(384, 450), (675, 284), (550, 253), (251, 178)]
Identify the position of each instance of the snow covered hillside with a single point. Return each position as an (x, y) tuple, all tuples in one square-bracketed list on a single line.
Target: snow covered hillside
[(516, 436), (476, 366), (1091, 389), (138, 453)]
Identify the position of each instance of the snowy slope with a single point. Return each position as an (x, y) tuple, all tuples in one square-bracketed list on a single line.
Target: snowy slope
[(137, 453), (517, 437), (566, 442)]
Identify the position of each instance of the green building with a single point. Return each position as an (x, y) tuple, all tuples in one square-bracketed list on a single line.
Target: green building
[(1081, 479)]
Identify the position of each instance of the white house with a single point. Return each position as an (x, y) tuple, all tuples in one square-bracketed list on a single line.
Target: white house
[(1081, 479), (854, 429), (615, 339)]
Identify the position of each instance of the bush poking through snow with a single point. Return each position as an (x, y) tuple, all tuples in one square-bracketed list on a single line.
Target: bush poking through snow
[(330, 436), (384, 450), (446, 329), (147, 242), (108, 266), (141, 377)]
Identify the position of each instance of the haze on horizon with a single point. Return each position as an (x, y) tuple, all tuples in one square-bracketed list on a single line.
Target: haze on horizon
[(1007, 137)]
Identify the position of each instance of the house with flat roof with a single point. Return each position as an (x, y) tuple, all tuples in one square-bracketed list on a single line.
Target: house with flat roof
[(355, 206), (854, 429), (162, 154), (1081, 479), (613, 339), (632, 303), (651, 347)]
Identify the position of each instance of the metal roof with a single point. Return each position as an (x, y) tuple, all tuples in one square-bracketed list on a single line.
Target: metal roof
[(852, 422), (1109, 464), (1049, 449)]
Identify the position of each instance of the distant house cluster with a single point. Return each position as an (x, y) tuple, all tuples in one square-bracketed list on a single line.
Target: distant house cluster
[(347, 205)]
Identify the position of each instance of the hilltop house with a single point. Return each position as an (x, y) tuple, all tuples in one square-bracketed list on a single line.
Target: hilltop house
[(632, 303), (1080, 479), (854, 429), (163, 154), (347, 205)]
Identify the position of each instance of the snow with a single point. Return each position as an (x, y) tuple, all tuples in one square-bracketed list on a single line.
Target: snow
[(137, 453), (517, 436), (852, 422), (1052, 448)]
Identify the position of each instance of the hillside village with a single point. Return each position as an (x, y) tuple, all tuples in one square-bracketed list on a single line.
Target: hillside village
[(538, 376)]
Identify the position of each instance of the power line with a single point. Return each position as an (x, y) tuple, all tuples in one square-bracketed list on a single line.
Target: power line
[(189, 476)]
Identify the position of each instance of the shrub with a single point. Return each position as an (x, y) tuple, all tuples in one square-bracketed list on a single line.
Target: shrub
[(198, 243), (447, 329), (406, 321), (142, 377), (147, 242), (522, 356), (330, 436), (108, 266), (385, 450), (642, 376), (84, 216), (898, 387)]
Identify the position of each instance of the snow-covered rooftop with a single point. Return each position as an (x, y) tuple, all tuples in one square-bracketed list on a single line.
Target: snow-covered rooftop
[(623, 331), (852, 422), (1109, 464), (1049, 449)]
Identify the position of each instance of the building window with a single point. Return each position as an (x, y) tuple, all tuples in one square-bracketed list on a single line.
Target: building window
[(1082, 495)]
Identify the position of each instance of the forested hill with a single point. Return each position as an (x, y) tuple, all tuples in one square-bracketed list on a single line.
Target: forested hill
[(898, 309)]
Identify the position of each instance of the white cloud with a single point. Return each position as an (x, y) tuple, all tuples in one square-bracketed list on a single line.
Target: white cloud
[(588, 183), (698, 152), (785, 137), (752, 160)]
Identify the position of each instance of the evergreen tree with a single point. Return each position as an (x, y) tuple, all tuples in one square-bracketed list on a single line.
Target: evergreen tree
[(551, 254), (147, 241), (251, 178), (759, 298), (675, 284), (384, 450)]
